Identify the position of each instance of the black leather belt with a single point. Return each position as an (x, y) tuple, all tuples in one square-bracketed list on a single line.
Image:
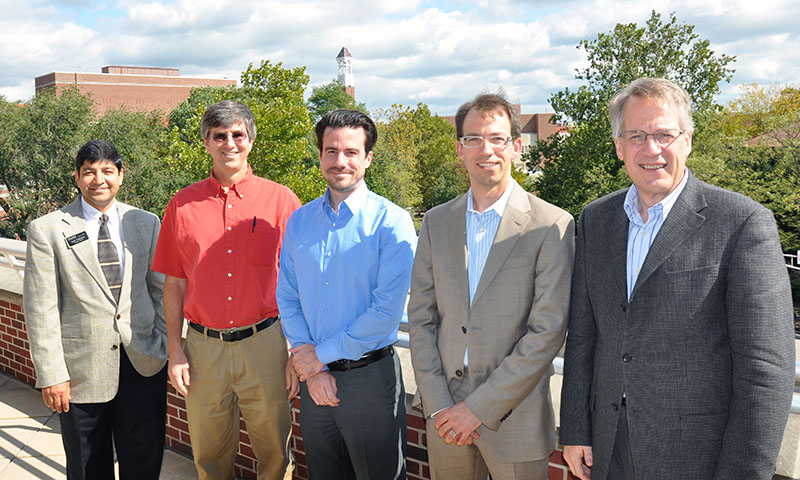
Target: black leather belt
[(235, 335), (366, 359)]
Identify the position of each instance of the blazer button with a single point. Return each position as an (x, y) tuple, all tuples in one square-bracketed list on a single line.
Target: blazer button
[(463, 329), (615, 406), (627, 357), (624, 307), (114, 347), (459, 373)]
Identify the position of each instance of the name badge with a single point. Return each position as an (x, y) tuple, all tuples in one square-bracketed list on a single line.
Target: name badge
[(76, 239)]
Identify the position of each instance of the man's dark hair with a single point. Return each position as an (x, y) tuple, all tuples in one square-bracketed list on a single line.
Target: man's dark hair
[(488, 103), (224, 114), (343, 118), (97, 150)]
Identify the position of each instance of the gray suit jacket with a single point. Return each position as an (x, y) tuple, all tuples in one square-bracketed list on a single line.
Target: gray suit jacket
[(74, 325), (704, 349), (514, 327)]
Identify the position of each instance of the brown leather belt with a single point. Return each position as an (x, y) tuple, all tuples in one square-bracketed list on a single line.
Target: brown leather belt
[(235, 335), (366, 359)]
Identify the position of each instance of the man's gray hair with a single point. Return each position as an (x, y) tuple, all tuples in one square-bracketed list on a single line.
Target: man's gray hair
[(226, 113), (657, 89)]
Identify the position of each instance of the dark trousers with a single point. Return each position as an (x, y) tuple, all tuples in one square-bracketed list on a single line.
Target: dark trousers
[(134, 419), (621, 467), (365, 436)]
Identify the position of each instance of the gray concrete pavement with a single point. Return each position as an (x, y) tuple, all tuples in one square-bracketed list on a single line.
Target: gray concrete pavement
[(30, 439)]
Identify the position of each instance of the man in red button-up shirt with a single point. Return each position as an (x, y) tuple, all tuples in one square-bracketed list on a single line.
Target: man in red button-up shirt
[(219, 247)]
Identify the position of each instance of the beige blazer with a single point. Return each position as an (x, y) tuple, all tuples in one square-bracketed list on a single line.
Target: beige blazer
[(74, 326), (514, 327)]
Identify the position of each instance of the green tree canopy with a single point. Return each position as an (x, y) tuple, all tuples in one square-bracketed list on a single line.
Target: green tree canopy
[(328, 97), (583, 166), (275, 96)]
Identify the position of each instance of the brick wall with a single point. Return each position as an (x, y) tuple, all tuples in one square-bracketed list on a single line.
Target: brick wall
[(15, 357)]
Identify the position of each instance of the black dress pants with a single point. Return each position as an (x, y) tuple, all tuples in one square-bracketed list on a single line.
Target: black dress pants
[(133, 420)]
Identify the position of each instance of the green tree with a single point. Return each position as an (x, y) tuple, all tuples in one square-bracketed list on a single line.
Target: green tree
[(40, 139), (275, 96), (582, 166), (328, 97), (149, 183), (440, 175), (394, 158)]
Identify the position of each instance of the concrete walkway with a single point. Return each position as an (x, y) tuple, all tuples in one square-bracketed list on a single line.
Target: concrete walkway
[(30, 439)]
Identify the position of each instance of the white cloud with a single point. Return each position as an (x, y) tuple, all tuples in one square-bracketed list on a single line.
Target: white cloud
[(435, 51)]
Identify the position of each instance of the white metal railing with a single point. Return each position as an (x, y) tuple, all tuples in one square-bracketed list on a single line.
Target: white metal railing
[(12, 255), (792, 261)]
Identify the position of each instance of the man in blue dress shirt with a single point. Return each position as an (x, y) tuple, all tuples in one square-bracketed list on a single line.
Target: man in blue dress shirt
[(345, 271)]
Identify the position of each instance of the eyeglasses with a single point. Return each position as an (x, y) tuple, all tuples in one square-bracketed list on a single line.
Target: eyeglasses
[(663, 138), (476, 141), (238, 137)]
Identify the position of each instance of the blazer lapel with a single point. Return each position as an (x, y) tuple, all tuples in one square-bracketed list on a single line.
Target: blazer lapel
[(681, 222), (456, 230), (617, 235), (511, 225), (84, 253), (130, 236)]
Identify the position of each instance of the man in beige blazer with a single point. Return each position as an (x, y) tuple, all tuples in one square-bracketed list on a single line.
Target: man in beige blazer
[(96, 324), (488, 308)]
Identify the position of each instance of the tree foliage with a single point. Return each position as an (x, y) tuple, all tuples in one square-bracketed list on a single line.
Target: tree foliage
[(39, 142), (275, 96), (328, 97), (582, 166)]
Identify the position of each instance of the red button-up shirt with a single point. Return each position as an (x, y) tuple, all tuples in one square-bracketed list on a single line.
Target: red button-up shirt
[(227, 246)]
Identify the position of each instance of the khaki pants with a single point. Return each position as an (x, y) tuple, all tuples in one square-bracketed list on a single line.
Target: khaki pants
[(229, 377)]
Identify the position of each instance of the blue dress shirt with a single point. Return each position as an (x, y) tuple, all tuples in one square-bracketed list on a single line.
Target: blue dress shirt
[(344, 277), (641, 234)]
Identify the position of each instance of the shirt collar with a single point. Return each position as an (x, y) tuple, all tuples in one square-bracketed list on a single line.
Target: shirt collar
[(238, 187), (499, 206), (354, 201), (91, 214), (631, 204)]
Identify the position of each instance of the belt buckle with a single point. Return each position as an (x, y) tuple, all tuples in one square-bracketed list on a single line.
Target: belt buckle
[(225, 331)]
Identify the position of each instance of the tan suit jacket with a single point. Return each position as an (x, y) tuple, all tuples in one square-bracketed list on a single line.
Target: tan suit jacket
[(514, 327), (74, 325)]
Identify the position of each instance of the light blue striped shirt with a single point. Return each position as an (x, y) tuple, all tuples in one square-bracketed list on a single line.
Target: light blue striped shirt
[(481, 229), (641, 234)]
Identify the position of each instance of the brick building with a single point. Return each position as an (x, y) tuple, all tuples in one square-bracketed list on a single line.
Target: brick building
[(141, 89)]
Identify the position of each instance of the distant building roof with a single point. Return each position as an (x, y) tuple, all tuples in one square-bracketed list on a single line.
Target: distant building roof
[(344, 52)]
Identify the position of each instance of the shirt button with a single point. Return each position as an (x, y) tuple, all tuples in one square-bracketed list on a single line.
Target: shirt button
[(229, 250), (327, 283), (325, 311), (230, 298), (229, 229), (481, 229), (229, 205), (114, 347), (230, 323), (229, 274), (334, 224), (643, 234), (329, 254), (637, 270), (463, 329)]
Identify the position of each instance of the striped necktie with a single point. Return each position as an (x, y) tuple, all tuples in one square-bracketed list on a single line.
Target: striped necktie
[(109, 260)]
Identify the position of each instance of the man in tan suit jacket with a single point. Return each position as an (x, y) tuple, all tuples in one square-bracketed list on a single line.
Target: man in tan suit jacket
[(488, 309), (99, 342)]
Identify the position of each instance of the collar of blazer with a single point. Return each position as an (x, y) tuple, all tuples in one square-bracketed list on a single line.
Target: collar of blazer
[(512, 224), (683, 221), (74, 223)]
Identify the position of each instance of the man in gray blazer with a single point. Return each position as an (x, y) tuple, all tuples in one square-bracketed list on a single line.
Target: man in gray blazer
[(95, 321), (680, 352), (488, 310)]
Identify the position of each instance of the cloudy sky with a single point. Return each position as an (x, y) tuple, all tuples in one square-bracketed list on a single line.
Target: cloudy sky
[(440, 52)]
